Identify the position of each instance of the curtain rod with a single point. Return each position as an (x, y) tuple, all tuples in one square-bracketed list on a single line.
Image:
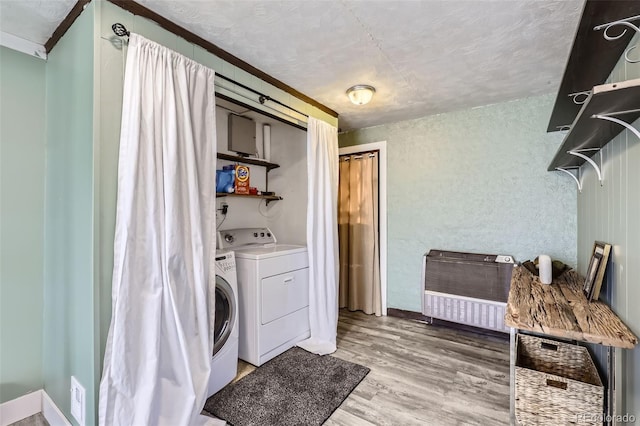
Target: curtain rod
[(121, 31)]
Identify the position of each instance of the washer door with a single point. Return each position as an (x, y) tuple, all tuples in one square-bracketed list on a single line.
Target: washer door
[(225, 315)]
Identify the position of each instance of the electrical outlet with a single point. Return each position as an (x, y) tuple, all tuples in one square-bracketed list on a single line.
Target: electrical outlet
[(77, 401), (222, 211)]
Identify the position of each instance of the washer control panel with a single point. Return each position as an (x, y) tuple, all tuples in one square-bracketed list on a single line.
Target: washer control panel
[(234, 238), (226, 262)]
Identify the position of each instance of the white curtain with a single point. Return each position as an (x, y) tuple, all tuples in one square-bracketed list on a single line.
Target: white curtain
[(322, 236), (158, 355)]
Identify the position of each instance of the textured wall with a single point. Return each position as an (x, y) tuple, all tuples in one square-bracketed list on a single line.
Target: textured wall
[(69, 315), (611, 213), (473, 180), (22, 159)]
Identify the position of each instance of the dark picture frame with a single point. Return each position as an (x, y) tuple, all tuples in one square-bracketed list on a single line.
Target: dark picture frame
[(592, 272), (596, 270)]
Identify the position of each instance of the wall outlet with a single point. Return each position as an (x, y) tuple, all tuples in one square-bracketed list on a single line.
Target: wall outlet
[(77, 401)]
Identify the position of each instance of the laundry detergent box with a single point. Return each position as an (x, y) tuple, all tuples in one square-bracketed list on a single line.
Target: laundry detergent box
[(242, 179)]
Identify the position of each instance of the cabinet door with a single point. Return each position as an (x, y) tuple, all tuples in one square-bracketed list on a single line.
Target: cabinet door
[(284, 293)]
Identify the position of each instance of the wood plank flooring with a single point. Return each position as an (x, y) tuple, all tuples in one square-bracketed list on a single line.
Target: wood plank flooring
[(420, 374)]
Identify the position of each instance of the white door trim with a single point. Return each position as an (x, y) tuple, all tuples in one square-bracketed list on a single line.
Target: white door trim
[(382, 205)]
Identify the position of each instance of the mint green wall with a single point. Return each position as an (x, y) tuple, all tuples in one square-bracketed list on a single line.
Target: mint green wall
[(22, 165), (69, 347), (472, 180), (611, 213)]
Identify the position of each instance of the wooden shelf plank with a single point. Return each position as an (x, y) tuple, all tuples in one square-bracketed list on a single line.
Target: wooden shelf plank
[(592, 58), (264, 197), (248, 160), (561, 310), (589, 132)]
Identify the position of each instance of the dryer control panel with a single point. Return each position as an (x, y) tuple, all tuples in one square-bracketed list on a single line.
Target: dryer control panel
[(231, 239)]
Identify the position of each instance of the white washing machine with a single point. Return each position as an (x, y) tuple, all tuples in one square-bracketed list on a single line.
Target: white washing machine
[(224, 361), (273, 285)]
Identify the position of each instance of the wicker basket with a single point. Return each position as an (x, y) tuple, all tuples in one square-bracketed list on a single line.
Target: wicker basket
[(556, 384)]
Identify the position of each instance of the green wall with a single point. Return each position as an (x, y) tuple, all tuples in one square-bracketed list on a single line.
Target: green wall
[(476, 181), (69, 341), (610, 212), (22, 168)]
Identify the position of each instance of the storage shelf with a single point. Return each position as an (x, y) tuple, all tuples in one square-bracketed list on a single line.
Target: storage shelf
[(269, 198), (248, 160), (592, 58), (622, 98)]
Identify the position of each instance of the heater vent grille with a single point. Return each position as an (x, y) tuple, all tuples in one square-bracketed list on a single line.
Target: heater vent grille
[(466, 288)]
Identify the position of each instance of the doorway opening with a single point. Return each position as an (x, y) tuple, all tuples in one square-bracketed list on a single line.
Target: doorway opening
[(362, 227)]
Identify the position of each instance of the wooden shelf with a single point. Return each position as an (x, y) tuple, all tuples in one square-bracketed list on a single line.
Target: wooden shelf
[(248, 160), (561, 310), (589, 132), (592, 58), (269, 198)]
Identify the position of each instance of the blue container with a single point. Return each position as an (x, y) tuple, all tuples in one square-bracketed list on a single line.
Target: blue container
[(225, 180)]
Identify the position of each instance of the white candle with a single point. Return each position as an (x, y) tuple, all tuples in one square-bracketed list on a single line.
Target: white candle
[(544, 269)]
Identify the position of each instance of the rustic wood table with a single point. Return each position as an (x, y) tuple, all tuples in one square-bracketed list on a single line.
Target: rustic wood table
[(560, 309)]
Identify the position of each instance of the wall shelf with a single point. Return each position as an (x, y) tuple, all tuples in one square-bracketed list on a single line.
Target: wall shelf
[(248, 160), (592, 57), (269, 198), (256, 162), (589, 131)]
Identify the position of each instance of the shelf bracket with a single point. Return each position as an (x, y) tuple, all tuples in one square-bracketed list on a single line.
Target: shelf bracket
[(623, 23), (580, 97), (579, 153), (618, 121), (567, 170)]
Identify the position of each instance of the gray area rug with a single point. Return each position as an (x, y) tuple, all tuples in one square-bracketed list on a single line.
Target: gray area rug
[(294, 388)]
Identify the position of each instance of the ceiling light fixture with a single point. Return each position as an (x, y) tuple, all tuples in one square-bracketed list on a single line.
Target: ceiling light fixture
[(361, 94)]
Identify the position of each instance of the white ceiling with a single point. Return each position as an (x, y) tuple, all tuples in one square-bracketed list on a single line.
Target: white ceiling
[(423, 57)]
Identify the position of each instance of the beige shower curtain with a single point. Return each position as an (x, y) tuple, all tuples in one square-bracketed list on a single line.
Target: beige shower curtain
[(358, 234)]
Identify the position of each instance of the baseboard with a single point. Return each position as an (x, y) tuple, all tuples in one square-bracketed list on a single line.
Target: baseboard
[(20, 408), (30, 404), (52, 413)]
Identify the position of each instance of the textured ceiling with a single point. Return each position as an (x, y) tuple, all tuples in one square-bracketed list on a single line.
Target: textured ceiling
[(32, 20), (423, 57)]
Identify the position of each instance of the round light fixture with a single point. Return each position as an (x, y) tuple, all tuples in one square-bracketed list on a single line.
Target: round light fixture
[(361, 94)]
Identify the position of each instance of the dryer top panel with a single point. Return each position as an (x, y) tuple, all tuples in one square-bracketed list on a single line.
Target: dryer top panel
[(259, 253)]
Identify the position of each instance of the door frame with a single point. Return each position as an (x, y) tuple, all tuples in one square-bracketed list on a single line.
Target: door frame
[(381, 147)]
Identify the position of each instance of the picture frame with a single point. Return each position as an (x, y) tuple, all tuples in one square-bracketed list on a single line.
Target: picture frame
[(596, 270)]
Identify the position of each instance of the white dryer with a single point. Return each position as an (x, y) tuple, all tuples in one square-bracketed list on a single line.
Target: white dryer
[(273, 284), (224, 361)]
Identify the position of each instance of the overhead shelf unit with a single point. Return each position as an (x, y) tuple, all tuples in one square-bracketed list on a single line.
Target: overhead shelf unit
[(248, 160), (264, 197), (255, 162), (592, 56), (609, 109)]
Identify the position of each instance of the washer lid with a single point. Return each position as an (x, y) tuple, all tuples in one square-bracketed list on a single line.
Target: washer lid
[(258, 253)]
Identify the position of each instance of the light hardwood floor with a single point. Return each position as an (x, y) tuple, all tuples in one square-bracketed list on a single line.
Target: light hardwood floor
[(420, 374)]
